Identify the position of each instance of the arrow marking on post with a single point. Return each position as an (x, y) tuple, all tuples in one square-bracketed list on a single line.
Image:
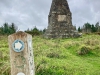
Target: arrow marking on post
[(18, 45)]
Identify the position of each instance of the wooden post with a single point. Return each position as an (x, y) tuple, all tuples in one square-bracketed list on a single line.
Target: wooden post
[(21, 54)]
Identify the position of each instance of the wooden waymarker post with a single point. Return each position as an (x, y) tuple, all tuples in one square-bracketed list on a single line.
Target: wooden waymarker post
[(21, 54)]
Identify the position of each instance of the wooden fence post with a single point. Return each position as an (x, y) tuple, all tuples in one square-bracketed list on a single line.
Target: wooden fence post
[(21, 54)]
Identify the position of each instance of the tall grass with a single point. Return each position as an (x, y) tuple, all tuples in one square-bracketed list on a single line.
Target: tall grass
[(4, 56), (59, 56)]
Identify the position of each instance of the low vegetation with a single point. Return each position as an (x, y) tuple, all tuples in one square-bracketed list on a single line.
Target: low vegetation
[(73, 56)]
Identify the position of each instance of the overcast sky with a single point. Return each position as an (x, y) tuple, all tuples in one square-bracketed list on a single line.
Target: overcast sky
[(30, 13)]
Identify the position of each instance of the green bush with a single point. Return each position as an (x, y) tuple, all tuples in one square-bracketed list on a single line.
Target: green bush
[(97, 33), (84, 50), (53, 55)]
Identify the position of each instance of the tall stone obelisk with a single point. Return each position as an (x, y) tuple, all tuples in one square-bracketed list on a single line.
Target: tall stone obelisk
[(59, 20)]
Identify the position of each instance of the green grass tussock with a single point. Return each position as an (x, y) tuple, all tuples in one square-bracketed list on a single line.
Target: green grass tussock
[(72, 56), (84, 50)]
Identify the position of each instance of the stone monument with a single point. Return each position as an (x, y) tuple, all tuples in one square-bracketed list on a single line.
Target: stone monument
[(60, 21)]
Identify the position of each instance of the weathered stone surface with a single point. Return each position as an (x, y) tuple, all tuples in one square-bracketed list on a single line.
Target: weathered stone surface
[(59, 20)]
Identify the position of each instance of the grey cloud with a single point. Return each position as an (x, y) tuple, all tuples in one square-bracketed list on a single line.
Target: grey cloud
[(29, 13), (5, 3), (84, 11)]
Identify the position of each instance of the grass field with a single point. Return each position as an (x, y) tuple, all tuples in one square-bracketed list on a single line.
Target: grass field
[(73, 56)]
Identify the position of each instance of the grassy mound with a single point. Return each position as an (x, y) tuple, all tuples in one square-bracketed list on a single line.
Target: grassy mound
[(59, 56)]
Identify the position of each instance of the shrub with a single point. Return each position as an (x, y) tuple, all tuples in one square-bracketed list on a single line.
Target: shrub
[(53, 55), (84, 50), (97, 33)]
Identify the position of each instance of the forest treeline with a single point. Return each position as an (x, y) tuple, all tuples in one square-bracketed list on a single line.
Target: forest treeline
[(89, 28), (35, 31), (7, 29)]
